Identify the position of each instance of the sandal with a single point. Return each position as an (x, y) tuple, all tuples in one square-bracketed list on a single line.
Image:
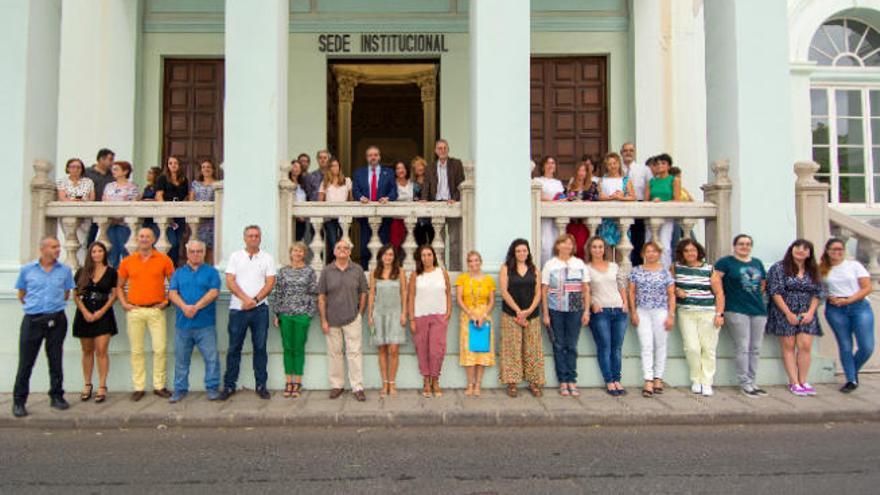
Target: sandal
[(86, 393), (648, 390), (426, 388), (476, 390), (295, 390), (511, 390), (470, 390), (658, 385), (99, 397), (288, 390), (392, 390), (435, 385), (535, 390), (563, 390), (573, 390), (384, 390)]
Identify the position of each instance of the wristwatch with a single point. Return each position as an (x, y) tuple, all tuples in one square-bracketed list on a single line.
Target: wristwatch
[(719, 315)]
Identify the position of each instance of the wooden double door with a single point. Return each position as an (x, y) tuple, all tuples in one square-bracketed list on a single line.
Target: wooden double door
[(569, 109), (192, 109)]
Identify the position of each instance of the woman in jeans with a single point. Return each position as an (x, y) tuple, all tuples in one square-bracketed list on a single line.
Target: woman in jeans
[(335, 188), (652, 310), (566, 295), (119, 190), (294, 301), (430, 305), (744, 282), (795, 289), (700, 302), (203, 190), (522, 354), (173, 185), (847, 309), (609, 315)]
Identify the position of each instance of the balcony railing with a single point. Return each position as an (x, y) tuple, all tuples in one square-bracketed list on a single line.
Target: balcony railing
[(50, 215)]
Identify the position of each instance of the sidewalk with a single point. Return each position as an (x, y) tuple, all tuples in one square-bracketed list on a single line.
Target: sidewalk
[(494, 408)]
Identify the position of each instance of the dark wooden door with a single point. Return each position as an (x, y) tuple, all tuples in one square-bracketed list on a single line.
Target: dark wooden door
[(192, 127), (569, 109)]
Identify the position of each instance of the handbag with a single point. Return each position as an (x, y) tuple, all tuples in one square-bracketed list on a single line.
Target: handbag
[(478, 336)]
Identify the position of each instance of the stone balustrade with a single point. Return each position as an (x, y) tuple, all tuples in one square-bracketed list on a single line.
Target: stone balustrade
[(50, 215)]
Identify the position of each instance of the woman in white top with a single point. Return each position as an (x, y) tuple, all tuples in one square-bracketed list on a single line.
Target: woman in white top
[(613, 186), (404, 193), (335, 188), (299, 196), (430, 304), (551, 189), (75, 187), (609, 315), (847, 309)]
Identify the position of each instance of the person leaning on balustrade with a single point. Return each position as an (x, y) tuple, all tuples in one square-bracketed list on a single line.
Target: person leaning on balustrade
[(373, 182), (444, 179), (609, 314), (312, 180), (334, 188), (94, 322), (847, 309), (122, 189), (664, 187), (565, 288), (173, 185), (424, 231), (203, 190), (43, 288), (145, 272), (294, 303), (639, 174), (551, 190), (476, 297), (581, 187), (795, 289), (99, 174), (75, 186), (430, 307), (522, 354), (744, 281), (149, 194), (613, 186), (297, 177), (405, 192), (386, 314), (700, 303), (652, 312)]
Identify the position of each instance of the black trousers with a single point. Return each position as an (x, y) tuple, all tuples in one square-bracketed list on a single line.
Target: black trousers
[(51, 327), (637, 235)]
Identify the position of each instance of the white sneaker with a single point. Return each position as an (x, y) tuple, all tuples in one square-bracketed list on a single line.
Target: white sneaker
[(707, 390), (696, 388)]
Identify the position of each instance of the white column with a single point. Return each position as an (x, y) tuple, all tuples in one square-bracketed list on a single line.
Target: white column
[(749, 116), (29, 99), (98, 79), (255, 118), (650, 75), (500, 124)]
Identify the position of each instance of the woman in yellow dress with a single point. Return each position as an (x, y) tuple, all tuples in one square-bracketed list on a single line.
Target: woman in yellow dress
[(476, 298)]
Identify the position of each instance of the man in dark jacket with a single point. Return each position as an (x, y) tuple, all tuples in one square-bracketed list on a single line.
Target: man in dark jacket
[(443, 179)]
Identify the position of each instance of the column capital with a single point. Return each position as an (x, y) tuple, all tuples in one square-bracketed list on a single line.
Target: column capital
[(345, 87), (428, 85)]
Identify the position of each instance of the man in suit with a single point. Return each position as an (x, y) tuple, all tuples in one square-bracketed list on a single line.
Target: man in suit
[(373, 183), (443, 179)]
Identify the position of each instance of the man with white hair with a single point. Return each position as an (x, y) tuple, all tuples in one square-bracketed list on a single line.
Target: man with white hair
[(43, 287), (194, 289)]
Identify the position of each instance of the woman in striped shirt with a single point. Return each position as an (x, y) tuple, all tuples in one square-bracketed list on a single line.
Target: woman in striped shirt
[(700, 301)]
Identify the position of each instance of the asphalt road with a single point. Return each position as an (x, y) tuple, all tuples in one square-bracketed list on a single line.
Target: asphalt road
[(824, 458)]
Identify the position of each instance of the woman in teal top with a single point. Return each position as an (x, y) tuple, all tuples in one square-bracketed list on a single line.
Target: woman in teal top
[(745, 313), (664, 187)]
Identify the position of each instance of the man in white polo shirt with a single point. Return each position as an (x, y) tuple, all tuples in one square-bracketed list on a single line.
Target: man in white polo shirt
[(250, 277)]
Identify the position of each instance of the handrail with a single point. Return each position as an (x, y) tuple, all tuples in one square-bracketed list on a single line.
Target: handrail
[(854, 226)]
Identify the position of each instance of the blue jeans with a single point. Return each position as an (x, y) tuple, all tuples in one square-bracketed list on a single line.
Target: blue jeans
[(853, 320), (257, 319), (566, 328), (174, 237), (184, 341), (609, 327), (332, 234), (118, 235)]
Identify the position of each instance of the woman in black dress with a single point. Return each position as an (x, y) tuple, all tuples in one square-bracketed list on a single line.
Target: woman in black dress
[(172, 185), (795, 289), (94, 322)]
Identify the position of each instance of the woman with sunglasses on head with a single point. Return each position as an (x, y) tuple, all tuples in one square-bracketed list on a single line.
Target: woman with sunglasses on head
[(795, 289), (847, 309)]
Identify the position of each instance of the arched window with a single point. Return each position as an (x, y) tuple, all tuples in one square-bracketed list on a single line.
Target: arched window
[(846, 111)]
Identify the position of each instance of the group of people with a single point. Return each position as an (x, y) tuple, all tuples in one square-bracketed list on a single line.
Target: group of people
[(565, 294), (110, 180)]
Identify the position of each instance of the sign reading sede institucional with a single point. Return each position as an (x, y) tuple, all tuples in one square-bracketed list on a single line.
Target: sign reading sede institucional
[(383, 43)]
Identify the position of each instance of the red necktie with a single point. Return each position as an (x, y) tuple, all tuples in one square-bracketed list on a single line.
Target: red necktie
[(374, 189)]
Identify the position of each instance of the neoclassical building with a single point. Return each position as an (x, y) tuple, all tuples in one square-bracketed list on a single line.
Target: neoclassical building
[(737, 92)]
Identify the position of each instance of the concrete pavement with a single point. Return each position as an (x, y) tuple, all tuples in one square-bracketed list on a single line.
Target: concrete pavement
[(494, 408)]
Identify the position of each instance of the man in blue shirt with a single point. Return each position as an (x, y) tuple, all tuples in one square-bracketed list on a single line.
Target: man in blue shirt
[(43, 287), (194, 289)]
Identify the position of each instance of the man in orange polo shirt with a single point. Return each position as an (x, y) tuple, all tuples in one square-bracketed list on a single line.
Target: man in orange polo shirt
[(145, 271)]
